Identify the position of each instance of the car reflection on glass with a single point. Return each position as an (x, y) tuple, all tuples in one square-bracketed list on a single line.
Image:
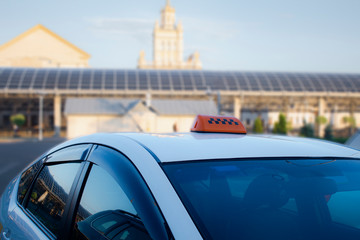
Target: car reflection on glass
[(111, 225)]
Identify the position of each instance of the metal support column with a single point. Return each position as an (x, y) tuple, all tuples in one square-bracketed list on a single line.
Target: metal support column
[(218, 103), (237, 107), (321, 112), (41, 106), (334, 117), (57, 115)]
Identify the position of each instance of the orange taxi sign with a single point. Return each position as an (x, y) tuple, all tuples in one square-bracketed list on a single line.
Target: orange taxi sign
[(217, 124)]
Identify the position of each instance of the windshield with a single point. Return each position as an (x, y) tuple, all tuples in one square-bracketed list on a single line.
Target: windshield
[(271, 199)]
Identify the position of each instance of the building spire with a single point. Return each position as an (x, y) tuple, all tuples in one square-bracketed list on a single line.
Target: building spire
[(168, 17), (168, 47)]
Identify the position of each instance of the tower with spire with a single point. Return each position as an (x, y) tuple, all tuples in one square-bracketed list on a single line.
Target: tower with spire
[(168, 45)]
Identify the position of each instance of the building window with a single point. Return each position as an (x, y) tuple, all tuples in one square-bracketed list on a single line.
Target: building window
[(6, 120)]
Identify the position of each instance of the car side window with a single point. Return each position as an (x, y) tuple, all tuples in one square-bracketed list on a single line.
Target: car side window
[(50, 194), (106, 211), (27, 178)]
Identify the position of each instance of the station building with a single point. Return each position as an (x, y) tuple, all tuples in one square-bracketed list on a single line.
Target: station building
[(246, 95), (39, 47), (41, 68)]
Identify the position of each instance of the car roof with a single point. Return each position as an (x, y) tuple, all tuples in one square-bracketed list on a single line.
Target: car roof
[(176, 147)]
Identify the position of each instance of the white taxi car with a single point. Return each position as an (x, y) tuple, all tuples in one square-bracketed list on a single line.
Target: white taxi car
[(213, 183)]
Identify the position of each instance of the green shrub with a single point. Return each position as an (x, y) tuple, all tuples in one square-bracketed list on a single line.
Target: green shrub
[(258, 128), (280, 127), (329, 133), (350, 120), (320, 120), (17, 119), (307, 130)]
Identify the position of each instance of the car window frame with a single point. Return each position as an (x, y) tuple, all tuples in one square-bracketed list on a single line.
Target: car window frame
[(86, 151), (67, 211), (44, 158), (112, 167)]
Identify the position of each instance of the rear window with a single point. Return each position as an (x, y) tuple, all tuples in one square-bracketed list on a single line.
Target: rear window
[(271, 199), (50, 194), (26, 179)]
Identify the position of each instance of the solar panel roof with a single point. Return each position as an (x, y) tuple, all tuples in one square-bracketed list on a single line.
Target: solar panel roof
[(173, 80)]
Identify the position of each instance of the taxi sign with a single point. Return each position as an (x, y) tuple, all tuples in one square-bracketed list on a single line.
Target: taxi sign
[(217, 124)]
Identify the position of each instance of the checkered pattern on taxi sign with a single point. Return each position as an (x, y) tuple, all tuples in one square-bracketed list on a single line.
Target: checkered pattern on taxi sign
[(219, 124)]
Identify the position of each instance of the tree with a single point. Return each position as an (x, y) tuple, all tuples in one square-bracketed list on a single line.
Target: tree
[(307, 130), (17, 121), (281, 126), (328, 132), (321, 120), (351, 121), (258, 128), (33, 196)]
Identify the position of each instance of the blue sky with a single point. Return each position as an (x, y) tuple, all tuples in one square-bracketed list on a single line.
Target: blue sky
[(260, 35)]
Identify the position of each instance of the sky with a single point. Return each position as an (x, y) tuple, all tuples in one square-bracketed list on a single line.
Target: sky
[(257, 35)]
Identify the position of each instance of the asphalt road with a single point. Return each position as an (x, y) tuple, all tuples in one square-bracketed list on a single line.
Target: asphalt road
[(16, 156)]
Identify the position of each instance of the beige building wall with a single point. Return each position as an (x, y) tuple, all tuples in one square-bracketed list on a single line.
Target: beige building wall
[(40, 47), (179, 123), (168, 45), (143, 117), (138, 119), (81, 125), (339, 119), (295, 119)]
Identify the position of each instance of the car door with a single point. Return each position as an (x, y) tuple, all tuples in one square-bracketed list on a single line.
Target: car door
[(44, 193), (114, 202)]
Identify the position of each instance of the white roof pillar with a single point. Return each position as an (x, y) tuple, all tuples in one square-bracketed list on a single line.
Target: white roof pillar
[(57, 115)]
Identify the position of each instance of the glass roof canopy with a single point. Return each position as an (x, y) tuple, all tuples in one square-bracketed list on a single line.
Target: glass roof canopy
[(173, 80)]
